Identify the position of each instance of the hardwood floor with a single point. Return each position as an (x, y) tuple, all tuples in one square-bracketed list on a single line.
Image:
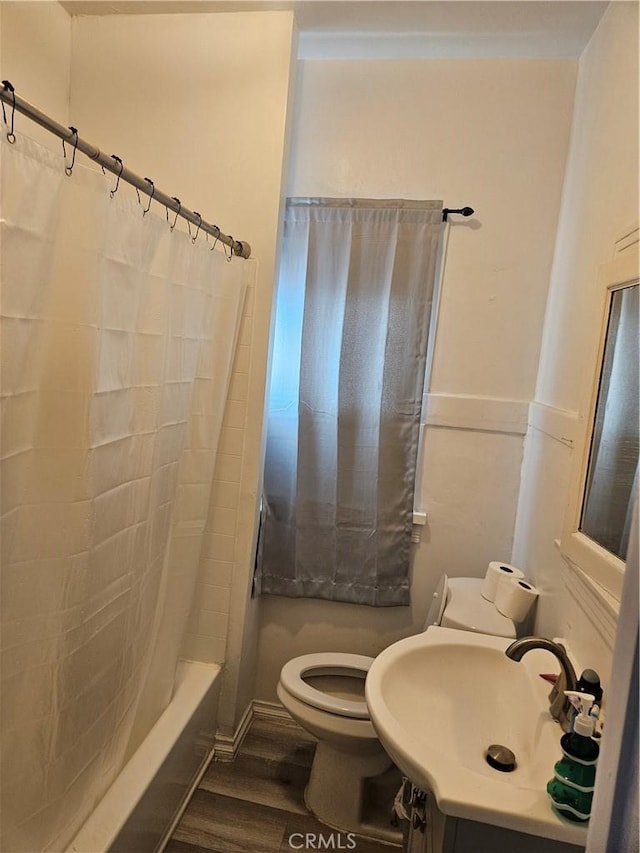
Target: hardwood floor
[(255, 804)]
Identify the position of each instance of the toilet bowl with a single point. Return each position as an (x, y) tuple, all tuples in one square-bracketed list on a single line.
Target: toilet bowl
[(324, 693), (348, 750)]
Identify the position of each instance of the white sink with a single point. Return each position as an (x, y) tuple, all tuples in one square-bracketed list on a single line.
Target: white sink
[(439, 699)]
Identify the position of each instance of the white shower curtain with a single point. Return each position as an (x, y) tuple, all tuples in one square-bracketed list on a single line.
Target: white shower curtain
[(117, 342)]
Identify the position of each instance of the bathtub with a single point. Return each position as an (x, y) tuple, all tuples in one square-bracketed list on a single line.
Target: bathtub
[(139, 811)]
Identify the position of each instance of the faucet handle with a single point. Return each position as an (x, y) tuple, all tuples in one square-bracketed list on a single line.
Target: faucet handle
[(557, 698)]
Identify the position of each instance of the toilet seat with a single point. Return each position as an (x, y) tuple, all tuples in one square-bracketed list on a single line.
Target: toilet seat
[(330, 663)]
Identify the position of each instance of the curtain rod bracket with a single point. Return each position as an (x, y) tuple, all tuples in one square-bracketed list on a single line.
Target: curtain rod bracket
[(242, 249), (463, 211)]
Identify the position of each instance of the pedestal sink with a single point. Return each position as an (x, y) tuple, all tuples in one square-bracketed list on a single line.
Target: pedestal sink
[(439, 699)]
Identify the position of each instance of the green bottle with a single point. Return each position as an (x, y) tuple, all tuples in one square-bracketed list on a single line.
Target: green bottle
[(571, 789)]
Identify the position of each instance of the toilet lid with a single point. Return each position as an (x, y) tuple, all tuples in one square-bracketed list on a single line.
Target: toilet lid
[(329, 663), (438, 602)]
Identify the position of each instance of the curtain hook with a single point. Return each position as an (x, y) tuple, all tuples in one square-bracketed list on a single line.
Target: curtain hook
[(217, 237), (68, 170), (11, 137), (230, 255), (179, 203), (153, 192), (193, 239), (118, 160)]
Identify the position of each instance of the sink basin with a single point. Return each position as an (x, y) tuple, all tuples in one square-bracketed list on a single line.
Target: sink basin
[(439, 699)]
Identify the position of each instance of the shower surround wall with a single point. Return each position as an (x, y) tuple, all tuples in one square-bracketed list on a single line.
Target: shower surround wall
[(493, 134)]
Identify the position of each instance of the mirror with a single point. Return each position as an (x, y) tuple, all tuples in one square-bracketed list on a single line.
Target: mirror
[(612, 472), (604, 479)]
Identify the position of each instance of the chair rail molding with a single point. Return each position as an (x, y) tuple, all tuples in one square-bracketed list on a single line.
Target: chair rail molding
[(475, 413), (560, 424)]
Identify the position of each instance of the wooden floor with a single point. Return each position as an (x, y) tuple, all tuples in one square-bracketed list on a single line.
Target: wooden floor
[(255, 804)]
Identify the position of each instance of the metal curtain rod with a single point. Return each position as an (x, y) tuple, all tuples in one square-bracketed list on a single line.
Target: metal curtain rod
[(114, 164)]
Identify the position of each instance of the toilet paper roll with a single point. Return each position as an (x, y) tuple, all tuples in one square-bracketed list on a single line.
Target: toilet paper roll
[(515, 598), (495, 573)]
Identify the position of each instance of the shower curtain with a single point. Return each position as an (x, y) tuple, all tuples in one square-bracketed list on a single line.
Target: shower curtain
[(117, 342)]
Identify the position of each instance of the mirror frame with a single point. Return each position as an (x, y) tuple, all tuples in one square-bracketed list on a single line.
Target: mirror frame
[(602, 566)]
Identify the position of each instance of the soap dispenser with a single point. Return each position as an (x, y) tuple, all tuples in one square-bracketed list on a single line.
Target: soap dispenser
[(589, 682), (571, 789)]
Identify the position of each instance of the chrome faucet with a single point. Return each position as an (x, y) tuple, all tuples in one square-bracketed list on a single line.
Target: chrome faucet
[(559, 705)]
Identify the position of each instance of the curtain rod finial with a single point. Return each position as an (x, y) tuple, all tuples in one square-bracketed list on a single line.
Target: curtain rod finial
[(464, 211)]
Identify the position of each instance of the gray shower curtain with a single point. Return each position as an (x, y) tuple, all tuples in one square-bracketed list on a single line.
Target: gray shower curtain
[(354, 302)]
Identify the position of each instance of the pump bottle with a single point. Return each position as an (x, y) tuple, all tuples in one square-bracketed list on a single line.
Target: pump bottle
[(571, 789)]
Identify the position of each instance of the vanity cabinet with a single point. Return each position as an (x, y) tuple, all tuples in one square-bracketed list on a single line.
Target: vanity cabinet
[(431, 831)]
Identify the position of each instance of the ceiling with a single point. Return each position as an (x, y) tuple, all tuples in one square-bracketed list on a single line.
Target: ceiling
[(404, 28)]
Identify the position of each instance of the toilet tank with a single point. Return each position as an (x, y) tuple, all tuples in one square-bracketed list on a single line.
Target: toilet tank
[(458, 603)]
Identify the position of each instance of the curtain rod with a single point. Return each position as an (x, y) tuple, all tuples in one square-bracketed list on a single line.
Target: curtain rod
[(114, 164)]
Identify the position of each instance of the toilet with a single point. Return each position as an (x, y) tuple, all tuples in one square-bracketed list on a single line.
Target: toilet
[(324, 693)]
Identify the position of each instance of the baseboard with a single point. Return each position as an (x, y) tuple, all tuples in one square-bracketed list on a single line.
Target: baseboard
[(271, 711), (227, 746)]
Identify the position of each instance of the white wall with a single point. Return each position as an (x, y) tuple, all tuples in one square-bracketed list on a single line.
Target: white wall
[(35, 55), (492, 134), (199, 103), (600, 199)]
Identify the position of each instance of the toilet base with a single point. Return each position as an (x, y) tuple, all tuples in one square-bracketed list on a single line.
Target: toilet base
[(336, 786)]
